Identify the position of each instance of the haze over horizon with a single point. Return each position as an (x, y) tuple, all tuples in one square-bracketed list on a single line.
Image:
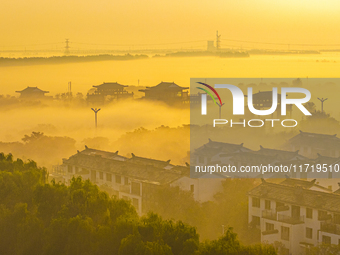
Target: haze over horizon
[(153, 22)]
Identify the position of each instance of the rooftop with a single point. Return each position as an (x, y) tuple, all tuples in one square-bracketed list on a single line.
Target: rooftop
[(31, 90), (138, 168), (165, 86), (212, 148), (303, 183), (281, 154), (297, 195), (110, 85), (314, 137)]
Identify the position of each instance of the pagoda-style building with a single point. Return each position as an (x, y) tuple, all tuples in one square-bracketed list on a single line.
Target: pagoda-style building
[(108, 91), (32, 93), (168, 92)]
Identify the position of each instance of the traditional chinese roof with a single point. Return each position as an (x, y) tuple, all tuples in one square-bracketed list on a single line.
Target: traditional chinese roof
[(213, 148), (103, 154), (303, 183), (297, 195), (314, 139), (254, 158), (110, 85), (29, 90), (281, 155), (109, 162), (165, 86), (326, 160), (149, 161)]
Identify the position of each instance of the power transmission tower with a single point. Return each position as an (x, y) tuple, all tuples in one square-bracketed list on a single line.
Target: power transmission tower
[(67, 47), (218, 41)]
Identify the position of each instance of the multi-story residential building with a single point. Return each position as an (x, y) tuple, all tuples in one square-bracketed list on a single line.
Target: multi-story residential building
[(298, 214), (136, 178), (217, 152), (310, 144)]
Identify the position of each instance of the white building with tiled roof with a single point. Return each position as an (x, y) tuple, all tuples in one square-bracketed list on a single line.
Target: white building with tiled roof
[(310, 144), (299, 214), (136, 178)]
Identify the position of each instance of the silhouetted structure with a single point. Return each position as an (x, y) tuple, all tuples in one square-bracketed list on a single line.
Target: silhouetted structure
[(67, 47), (108, 91), (32, 93), (168, 92)]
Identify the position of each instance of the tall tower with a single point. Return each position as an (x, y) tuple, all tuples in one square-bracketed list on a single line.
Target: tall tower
[(67, 47), (218, 41)]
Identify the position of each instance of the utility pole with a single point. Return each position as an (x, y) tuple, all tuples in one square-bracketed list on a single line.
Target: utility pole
[(322, 100), (95, 115), (69, 90)]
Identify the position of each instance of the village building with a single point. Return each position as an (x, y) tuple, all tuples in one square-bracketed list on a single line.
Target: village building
[(136, 178), (32, 93), (237, 155), (312, 144), (107, 92), (215, 152), (167, 92), (297, 214)]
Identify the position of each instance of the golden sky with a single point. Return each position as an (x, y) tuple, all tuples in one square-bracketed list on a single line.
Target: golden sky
[(25, 22)]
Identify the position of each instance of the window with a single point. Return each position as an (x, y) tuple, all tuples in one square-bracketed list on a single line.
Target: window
[(135, 202), (256, 202), (309, 213), (135, 188), (267, 204), (284, 233), (69, 169), (118, 179), (269, 226), (109, 177), (256, 220), (192, 188), (295, 211), (126, 180), (337, 218), (101, 175), (326, 239), (322, 215), (309, 233)]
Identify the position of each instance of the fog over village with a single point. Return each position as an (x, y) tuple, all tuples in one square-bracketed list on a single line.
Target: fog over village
[(104, 148)]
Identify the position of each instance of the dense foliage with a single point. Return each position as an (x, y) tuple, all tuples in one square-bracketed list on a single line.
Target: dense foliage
[(41, 218)]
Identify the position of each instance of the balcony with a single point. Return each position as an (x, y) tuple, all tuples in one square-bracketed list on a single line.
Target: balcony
[(291, 219), (268, 214), (124, 188), (330, 228)]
